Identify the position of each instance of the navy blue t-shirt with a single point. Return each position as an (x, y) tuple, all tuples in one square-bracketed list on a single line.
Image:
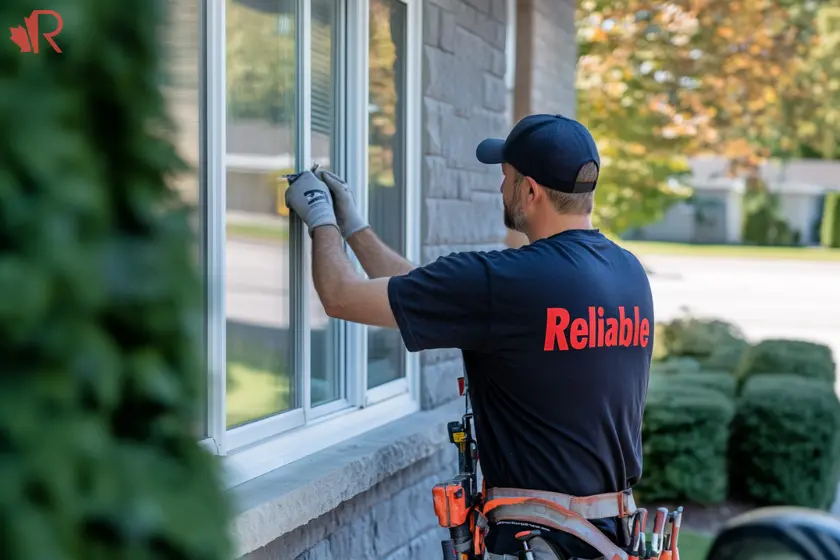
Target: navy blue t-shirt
[(557, 338)]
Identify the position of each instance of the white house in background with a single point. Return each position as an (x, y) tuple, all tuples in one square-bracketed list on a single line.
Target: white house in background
[(714, 213)]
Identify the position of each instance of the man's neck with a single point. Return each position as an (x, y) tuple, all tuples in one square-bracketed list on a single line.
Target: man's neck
[(558, 224)]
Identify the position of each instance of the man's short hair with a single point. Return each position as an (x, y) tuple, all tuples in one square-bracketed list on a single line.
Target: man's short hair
[(577, 204)]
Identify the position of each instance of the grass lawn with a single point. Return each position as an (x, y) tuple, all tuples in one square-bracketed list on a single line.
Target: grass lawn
[(733, 251), (694, 546), (258, 231)]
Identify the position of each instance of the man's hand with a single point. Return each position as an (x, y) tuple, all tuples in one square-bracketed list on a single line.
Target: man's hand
[(349, 218), (311, 200)]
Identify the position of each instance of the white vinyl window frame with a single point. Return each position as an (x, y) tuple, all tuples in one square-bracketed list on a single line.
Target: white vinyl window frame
[(256, 448)]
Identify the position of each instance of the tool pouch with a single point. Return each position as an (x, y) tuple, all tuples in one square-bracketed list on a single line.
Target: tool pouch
[(451, 501)]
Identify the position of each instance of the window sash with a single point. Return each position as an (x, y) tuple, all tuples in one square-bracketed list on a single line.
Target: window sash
[(351, 162)]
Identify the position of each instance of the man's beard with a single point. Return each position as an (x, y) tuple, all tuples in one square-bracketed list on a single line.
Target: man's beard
[(513, 218)]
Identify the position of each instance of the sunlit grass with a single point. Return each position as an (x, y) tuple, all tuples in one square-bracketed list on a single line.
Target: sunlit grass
[(694, 546), (254, 393), (732, 251)]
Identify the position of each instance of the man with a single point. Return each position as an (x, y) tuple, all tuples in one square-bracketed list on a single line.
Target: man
[(556, 335)]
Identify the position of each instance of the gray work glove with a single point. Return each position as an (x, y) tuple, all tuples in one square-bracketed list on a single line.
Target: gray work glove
[(349, 218), (311, 200)]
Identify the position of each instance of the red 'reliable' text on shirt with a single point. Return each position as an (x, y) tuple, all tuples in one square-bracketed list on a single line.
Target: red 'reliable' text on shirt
[(594, 331)]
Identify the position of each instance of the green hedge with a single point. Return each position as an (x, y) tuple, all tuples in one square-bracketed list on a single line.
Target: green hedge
[(830, 229), (785, 446), (684, 436), (720, 381), (763, 222), (675, 365), (100, 303), (800, 357), (696, 338), (727, 356)]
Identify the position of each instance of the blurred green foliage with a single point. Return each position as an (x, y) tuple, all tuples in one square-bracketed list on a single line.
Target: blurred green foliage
[(798, 357), (659, 82), (763, 222), (785, 445), (830, 233), (685, 433), (100, 303), (712, 343)]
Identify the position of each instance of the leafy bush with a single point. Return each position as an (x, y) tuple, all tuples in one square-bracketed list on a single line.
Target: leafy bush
[(721, 381), (763, 221), (697, 338), (727, 356), (800, 357), (99, 305), (830, 229), (785, 446), (675, 365), (684, 436)]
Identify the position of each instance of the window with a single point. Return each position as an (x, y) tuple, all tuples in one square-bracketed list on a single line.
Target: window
[(290, 84), (386, 164), (261, 145), (181, 88)]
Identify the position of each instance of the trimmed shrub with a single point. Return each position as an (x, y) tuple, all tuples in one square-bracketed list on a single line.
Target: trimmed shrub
[(684, 437), (720, 381), (727, 356), (100, 304), (800, 357), (763, 222), (785, 446), (697, 338), (830, 228), (675, 365)]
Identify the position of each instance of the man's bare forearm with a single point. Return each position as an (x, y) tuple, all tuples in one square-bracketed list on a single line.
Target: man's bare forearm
[(331, 269), (377, 259)]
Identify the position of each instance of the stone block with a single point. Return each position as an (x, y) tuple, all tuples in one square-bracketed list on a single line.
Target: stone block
[(431, 25), (431, 357), (428, 544), (464, 221), (447, 31), (432, 125), (321, 551), (499, 10), (439, 181), (439, 384), (498, 65), (480, 5), (353, 541), (495, 93), (480, 180), (402, 553)]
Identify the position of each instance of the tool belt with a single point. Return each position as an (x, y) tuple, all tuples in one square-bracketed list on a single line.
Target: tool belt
[(560, 512)]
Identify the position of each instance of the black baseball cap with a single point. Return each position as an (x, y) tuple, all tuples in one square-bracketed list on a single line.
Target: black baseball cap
[(556, 151)]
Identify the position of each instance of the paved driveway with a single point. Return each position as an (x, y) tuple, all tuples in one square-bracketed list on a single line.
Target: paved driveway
[(765, 298)]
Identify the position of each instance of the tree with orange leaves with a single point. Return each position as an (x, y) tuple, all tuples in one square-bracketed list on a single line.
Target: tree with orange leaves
[(662, 81)]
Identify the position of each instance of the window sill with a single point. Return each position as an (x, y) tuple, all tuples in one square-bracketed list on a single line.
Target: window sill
[(293, 495)]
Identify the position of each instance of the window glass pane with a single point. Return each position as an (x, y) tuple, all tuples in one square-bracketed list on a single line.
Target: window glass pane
[(261, 142), (386, 164), (326, 380), (180, 41)]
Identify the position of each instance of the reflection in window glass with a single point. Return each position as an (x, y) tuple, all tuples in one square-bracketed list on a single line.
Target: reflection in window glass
[(181, 78), (325, 382), (386, 164), (261, 143)]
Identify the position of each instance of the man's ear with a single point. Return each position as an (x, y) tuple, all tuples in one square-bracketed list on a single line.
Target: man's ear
[(532, 187)]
